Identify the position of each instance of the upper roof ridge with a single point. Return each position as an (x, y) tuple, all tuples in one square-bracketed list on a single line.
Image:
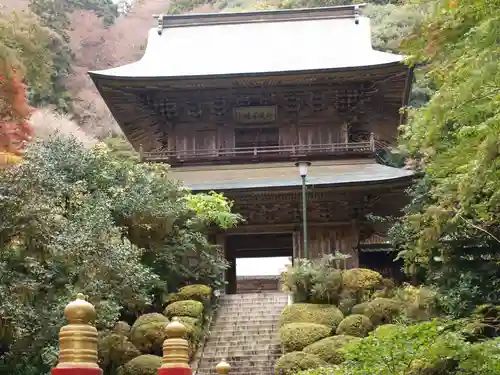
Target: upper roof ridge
[(204, 19)]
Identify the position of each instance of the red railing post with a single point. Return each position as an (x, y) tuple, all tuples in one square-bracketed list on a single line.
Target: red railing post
[(78, 341), (175, 351)]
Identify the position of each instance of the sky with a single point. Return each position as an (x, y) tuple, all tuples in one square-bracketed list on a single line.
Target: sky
[(261, 266)]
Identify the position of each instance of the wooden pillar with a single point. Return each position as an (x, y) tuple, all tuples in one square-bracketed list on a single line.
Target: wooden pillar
[(231, 271)]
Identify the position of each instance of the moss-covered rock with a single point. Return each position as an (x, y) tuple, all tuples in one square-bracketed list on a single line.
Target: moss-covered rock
[(361, 278), (196, 292), (190, 308), (327, 315), (122, 328), (382, 310), (142, 365), (294, 362), (115, 349), (355, 325), (296, 336), (330, 349), (148, 333), (359, 308)]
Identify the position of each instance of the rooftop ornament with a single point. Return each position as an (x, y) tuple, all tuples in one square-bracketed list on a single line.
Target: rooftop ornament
[(78, 340)]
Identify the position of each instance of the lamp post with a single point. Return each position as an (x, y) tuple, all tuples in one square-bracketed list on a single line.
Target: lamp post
[(303, 166)]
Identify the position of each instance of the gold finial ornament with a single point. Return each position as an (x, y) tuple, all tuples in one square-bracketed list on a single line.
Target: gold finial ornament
[(78, 339), (223, 368), (175, 347)]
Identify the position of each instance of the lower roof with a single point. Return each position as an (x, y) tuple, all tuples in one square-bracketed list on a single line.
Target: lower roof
[(281, 175)]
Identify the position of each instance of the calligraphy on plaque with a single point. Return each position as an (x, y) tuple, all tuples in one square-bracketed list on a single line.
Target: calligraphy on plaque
[(255, 115)]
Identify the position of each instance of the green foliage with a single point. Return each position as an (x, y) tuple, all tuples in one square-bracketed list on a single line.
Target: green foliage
[(296, 336), (197, 292), (330, 349), (327, 315), (213, 208), (383, 310), (316, 280), (290, 363), (115, 350), (78, 220), (122, 328), (148, 333), (361, 279), (143, 365), (450, 233), (355, 325), (190, 308), (359, 308)]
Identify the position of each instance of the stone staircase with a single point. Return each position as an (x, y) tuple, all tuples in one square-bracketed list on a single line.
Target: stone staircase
[(245, 334)]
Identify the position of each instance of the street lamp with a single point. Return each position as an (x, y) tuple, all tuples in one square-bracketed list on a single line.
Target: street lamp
[(303, 166)]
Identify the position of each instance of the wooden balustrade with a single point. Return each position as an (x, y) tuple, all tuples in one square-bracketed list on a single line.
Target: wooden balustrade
[(261, 152)]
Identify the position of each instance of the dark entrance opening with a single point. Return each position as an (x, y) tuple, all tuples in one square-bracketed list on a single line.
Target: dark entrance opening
[(383, 262), (269, 245)]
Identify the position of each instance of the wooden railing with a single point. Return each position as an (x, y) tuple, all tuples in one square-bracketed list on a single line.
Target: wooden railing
[(273, 152)]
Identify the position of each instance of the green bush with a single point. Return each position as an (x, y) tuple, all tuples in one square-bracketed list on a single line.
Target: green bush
[(311, 313), (361, 278), (188, 320), (385, 329), (330, 349), (142, 365), (115, 350), (190, 308), (382, 310), (290, 363), (359, 308), (122, 328), (355, 325), (296, 336), (148, 333), (320, 371), (197, 292)]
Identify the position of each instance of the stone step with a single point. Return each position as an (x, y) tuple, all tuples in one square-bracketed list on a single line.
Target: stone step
[(226, 352), (242, 320), (244, 313), (244, 327), (239, 341), (240, 329)]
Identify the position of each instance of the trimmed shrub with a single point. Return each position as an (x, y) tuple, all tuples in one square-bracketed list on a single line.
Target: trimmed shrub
[(290, 363), (360, 308), (122, 328), (382, 310), (361, 278), (115, 350), (148, 333), (384, 329), (187, 320), (330, 349), (355, 325), (327, 315), (190, 308), (296, 336), (142, 365), (196, 292)]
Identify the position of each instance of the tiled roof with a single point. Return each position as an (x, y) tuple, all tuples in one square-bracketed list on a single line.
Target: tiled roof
[(267, 175), (332, 38)]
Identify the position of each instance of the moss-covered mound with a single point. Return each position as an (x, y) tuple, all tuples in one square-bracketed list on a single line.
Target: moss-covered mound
[(382, 310), (294, 362), (355, 325), (330, 348), (115, 350), (361, 278), (327, 315), (190, 308), (148, 333), (197, 292), (359, 308), (187, 320), (142, 365), (296, 336), (122, 328)]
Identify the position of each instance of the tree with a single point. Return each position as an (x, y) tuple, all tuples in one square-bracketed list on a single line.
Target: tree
[(74, 219), (452, 229)]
